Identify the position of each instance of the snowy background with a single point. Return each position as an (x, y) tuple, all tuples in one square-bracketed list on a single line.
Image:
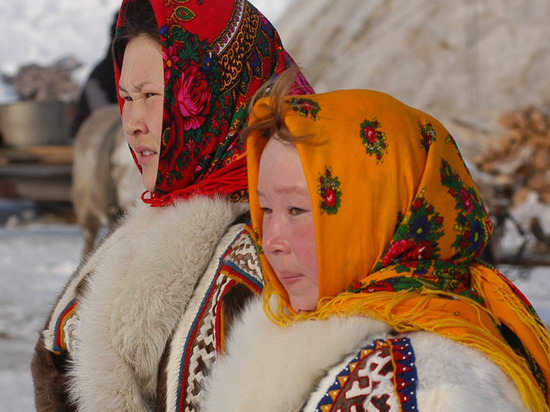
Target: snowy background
[(43, 31), (38, 252)]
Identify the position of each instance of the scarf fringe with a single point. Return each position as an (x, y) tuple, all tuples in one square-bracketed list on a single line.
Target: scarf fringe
[(227, 181), (525, 316)]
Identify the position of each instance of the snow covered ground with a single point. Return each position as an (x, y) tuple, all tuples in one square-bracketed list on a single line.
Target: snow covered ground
[(35, 262), (37, 255)]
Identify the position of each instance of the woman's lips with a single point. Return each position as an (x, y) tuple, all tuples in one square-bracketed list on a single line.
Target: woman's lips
[(144, 155), (288, 279)]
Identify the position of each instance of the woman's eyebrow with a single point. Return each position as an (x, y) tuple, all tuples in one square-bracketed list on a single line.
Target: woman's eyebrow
[(138, 87), (292, 189)]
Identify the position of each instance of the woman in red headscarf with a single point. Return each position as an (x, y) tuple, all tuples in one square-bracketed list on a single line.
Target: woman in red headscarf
[(140, 322)]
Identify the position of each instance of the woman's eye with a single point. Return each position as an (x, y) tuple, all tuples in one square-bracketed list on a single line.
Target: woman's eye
[(295, 211), (266, 210), (127, 98)]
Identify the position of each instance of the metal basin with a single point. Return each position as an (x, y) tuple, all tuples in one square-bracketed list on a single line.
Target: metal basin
[(34, 123)]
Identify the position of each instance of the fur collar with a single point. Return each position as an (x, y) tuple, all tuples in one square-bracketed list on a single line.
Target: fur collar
[(135, 296), (269, 368)]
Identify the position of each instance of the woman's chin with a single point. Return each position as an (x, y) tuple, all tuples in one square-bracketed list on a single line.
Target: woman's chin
[(301, 307), (148, 184)]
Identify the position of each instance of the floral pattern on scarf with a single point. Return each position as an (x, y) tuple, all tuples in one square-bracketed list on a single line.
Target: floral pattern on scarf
[(403, 245)]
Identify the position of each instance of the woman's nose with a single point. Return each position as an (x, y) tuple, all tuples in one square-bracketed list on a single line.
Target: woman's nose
[(133, 121), (274, 236)]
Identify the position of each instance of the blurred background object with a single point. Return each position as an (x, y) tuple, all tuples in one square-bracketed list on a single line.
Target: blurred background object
[(106, 181), (100, 87), (34, 123)]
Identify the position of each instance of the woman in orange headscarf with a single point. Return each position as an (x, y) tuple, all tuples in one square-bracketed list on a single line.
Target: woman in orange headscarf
[(369, 228), (141, 321)]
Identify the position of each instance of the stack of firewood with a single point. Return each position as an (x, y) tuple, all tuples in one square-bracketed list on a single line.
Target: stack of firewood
[(521, 162), (510, 173)]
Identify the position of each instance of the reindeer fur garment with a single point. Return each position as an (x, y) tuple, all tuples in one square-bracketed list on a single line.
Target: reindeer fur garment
[(269, 368), (135, 297)]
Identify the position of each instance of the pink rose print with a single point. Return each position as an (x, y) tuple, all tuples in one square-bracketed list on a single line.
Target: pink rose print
[(466, 200), (193, 97)]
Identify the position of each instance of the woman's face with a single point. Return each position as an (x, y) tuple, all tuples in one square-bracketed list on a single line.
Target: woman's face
[(141, 86), (288, 232)]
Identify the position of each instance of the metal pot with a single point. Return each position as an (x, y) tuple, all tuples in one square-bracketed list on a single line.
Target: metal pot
[(34, 123)]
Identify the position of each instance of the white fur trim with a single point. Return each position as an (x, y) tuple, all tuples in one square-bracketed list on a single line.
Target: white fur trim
[(183, 328), (269, 368), (70, 292), (136, 296), (453, 377)]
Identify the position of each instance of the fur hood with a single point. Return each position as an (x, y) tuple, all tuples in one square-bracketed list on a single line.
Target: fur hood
[(135, 296), (269, 368)]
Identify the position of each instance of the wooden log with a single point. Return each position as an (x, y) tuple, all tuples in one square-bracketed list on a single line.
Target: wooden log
[(37, 154), (537, 181), (540, 160)]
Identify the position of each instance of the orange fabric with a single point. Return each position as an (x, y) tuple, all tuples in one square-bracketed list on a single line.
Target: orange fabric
[(399, 226)]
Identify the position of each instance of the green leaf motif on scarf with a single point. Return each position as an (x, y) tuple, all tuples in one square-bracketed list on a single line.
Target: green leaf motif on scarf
[(258, 241), (428, 134), (185, 14), (450, 140), (305, 107), (445, 277), (472, 224)]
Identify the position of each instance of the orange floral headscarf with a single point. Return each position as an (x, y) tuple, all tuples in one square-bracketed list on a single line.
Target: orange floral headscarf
[(399, 226)]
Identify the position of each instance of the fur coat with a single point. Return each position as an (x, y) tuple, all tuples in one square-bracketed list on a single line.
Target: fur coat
[(151, 301), (332, 363)]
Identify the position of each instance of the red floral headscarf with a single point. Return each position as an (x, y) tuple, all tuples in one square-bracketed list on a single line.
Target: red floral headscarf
[(216, 55)]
